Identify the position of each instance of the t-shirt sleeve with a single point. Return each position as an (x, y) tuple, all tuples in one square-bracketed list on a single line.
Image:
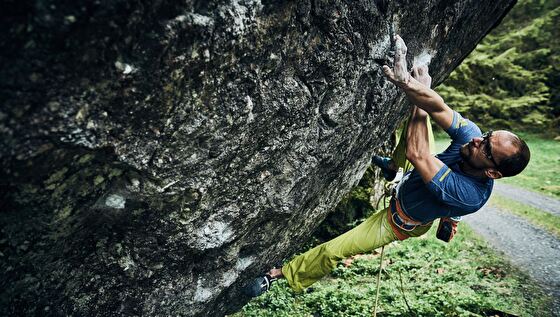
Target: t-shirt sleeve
[(462, 130), (456, 190)]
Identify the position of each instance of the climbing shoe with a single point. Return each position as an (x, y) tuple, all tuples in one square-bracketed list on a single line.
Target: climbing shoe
[(259, 285), (383, 163)]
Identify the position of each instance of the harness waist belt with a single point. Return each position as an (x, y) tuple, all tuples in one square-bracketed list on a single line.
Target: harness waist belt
[(400, 218)]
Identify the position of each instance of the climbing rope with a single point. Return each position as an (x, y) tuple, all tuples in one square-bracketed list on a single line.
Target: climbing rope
[(378, 281), (384, 198)]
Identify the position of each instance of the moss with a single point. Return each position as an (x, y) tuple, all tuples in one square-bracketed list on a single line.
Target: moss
[(84, 159), (57, 176), (98, 180), (64, 212), (168, 88), (60, 189), (115, 172)]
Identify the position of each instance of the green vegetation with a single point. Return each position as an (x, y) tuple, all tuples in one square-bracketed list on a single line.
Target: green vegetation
[(511, 79), (539, 218), (462, 278), (442, 140)]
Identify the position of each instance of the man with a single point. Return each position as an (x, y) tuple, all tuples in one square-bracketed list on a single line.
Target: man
[(452, 184)]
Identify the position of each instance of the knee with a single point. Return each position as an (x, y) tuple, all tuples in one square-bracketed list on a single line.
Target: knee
[(328, 251)]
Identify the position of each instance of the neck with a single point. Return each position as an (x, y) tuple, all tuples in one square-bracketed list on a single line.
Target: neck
[(470, 170)]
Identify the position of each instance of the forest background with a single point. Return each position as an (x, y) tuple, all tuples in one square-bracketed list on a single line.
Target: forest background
[(512, 79)]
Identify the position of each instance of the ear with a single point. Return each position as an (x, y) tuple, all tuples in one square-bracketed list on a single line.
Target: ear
[(492, 173)]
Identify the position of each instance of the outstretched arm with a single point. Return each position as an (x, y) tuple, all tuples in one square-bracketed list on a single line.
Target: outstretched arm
[(418, 94)]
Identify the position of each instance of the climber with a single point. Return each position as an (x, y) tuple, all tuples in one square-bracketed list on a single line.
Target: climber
[(453, 183)]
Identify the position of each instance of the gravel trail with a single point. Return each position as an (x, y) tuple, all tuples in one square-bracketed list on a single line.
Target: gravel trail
[(528, 197), (532, 249)]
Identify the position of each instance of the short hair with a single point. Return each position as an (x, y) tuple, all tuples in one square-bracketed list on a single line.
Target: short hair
[(516, 163)]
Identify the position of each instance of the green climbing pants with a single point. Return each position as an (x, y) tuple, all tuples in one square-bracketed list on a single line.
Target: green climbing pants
[(371, 234)]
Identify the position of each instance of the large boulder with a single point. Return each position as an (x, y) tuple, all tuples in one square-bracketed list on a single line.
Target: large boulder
[(156, 155)]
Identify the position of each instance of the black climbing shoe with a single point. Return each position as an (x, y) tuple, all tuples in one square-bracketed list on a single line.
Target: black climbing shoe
[(383, 163), (259, 285)]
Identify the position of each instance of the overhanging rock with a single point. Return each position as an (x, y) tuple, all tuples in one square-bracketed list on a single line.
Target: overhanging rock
[(158, 154)]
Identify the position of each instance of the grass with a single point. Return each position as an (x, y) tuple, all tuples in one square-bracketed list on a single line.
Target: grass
[(539, 218), (543, 172), (462, 278)]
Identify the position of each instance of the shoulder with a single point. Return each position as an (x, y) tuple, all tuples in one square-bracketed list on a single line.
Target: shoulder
[(462, 130)]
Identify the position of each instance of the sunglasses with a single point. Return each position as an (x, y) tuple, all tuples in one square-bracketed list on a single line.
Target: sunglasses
[(487, 149)]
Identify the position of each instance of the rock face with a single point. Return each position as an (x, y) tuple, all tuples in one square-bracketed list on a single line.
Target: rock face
[(156, 155)]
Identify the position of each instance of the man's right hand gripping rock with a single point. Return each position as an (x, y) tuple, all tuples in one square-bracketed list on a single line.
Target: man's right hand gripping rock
[(399, 75)]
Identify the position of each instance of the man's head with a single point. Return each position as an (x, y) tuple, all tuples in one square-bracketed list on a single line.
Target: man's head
[(496, 154)]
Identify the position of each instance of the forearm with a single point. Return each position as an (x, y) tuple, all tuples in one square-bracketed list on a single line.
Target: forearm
[(423, 96), (429, 101), (418, 146), (417, 137)]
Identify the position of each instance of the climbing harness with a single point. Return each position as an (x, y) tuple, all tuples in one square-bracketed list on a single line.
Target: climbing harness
[(401, 219)]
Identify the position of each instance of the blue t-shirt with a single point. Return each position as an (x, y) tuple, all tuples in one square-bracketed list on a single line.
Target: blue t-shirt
[(450, 193)]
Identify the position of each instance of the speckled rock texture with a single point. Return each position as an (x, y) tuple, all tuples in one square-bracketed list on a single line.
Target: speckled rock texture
[(156, 155)]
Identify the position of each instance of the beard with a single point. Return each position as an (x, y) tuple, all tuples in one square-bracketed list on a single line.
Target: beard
[(465, 153)]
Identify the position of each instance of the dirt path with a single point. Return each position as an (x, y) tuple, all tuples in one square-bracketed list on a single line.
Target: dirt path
[(532, 249), (528, 197)]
